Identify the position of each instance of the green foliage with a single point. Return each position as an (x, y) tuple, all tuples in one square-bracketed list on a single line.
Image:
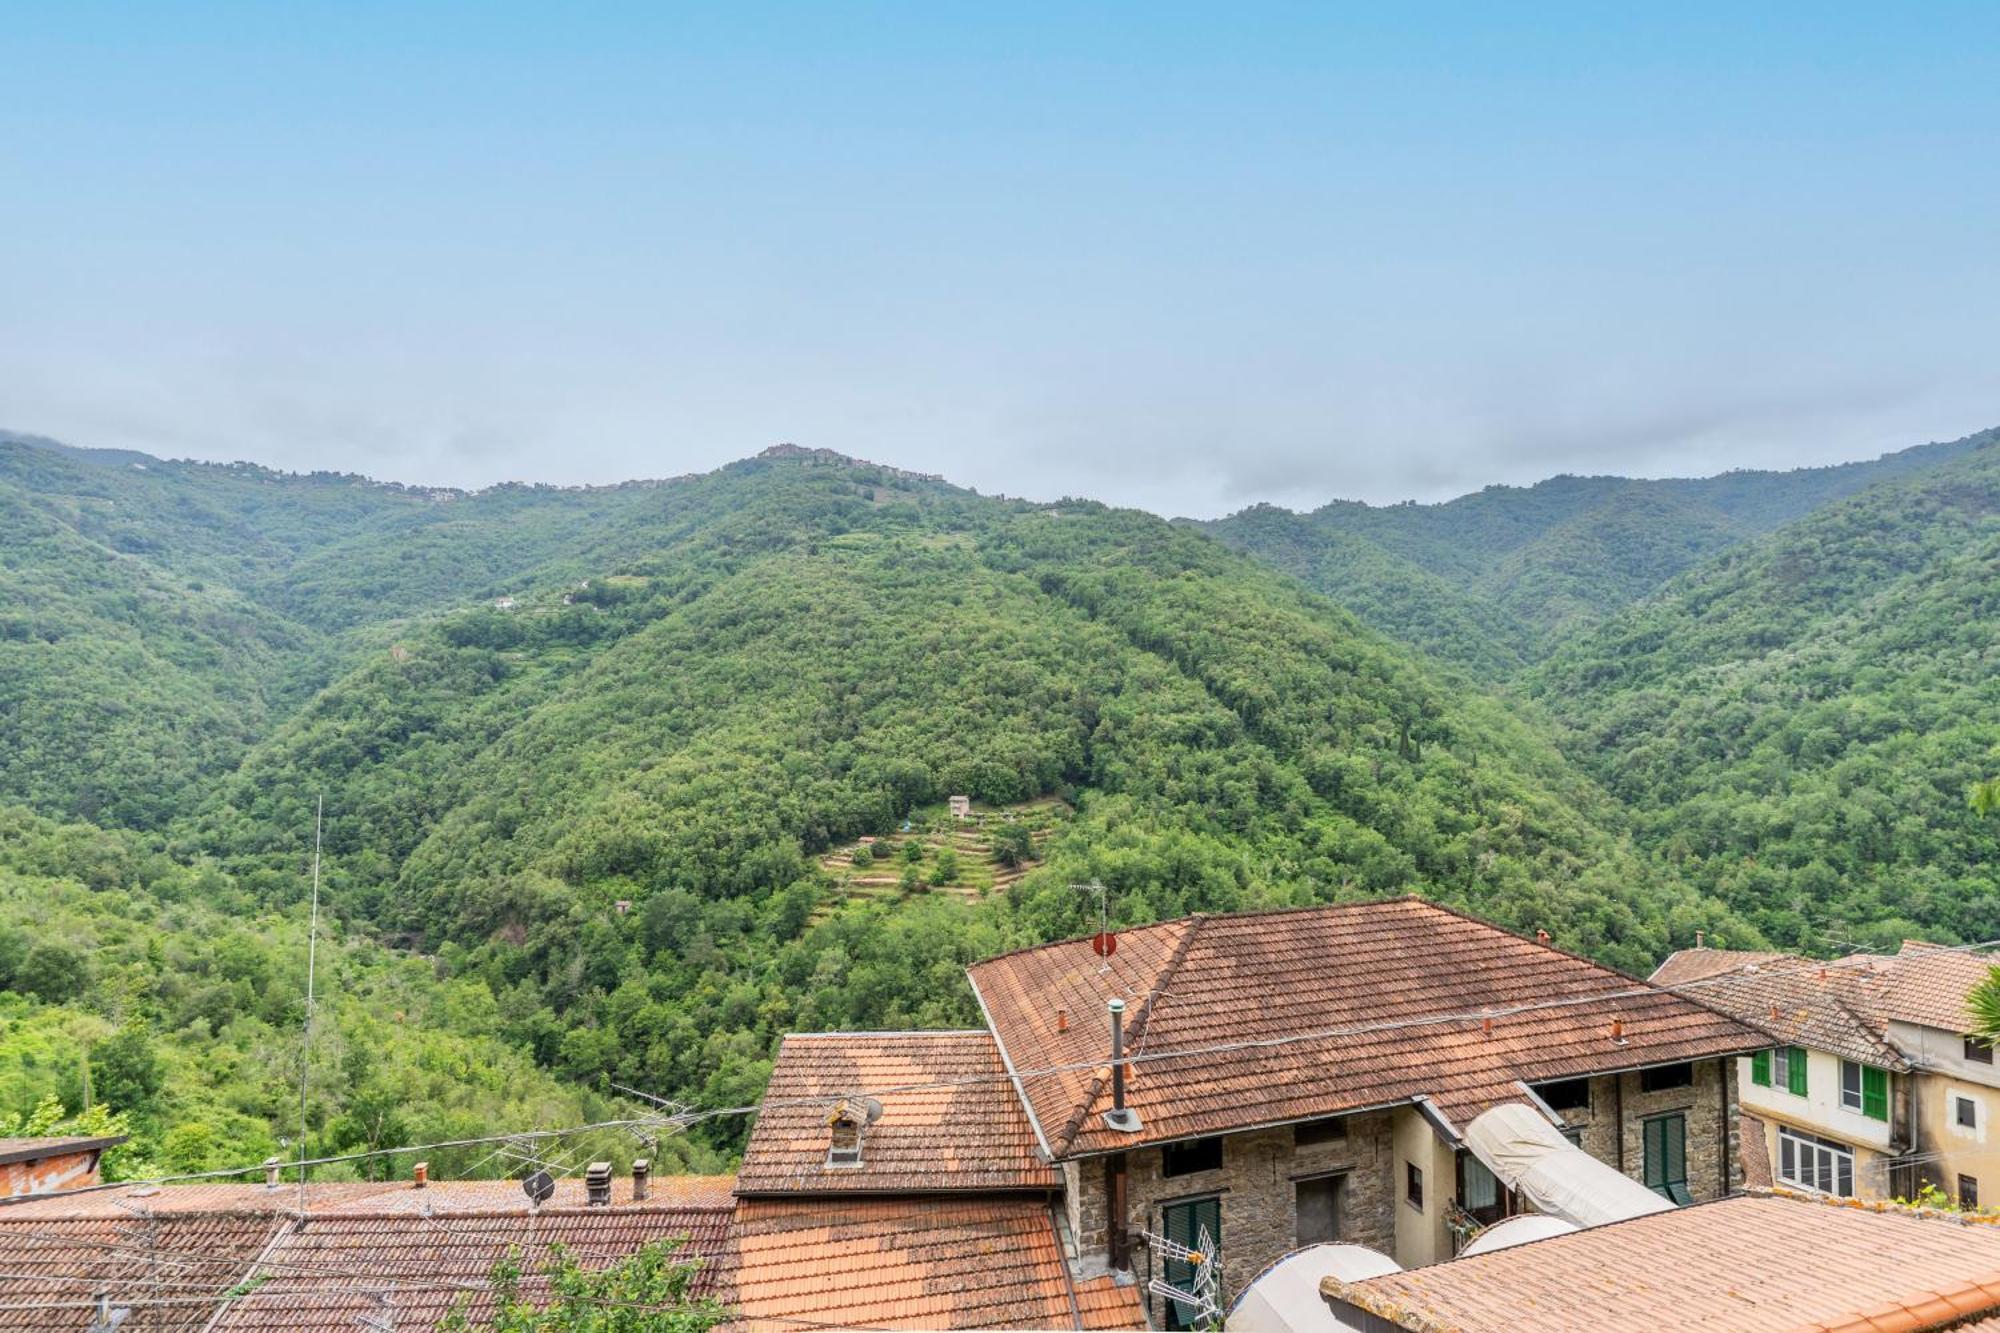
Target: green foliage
[(646, 1292), (1498, 579), (1796, 726), (945, 871)]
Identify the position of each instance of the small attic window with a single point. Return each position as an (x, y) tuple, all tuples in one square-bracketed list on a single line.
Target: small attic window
[(844, 1135)]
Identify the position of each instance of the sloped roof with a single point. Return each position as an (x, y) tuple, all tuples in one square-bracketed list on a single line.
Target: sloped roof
[(1694, 964), (1925, 984), (169, 1270), (360, 1196), (1394, 968), (1800, 1002), (950, 1117), (1770, 1263), (929, 1262), (417, 1269), (34, 1149)]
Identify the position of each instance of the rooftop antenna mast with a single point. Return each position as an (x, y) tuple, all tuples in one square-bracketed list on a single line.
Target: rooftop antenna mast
[(312, 961), (1102, 943)]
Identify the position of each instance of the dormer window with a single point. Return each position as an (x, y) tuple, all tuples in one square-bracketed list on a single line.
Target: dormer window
[(844, 1127)]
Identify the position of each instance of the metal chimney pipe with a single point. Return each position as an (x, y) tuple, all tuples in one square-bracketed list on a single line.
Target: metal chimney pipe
[(1117, 1055)]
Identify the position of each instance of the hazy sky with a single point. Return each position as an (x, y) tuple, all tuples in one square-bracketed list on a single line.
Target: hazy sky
[(1181, 256)]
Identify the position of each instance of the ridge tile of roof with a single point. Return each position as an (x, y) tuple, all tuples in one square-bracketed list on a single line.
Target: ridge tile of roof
[(1385, 966), (950, 1118), (1758, 1263)]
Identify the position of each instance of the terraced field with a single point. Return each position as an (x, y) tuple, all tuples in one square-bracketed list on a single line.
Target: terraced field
[(973, 842)]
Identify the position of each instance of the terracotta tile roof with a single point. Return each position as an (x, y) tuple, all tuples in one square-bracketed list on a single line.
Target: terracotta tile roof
[(1768, 1263), (1694, 964), (1925, 984), (1753, 1149), (211, 1197), (1799, 1002), (361, 1196), (945, 1262), (167, 1271), (1108, 1302), (969, 1136), (417, 1269), (1391, 966)]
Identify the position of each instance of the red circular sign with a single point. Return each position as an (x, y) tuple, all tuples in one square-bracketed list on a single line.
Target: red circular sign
[(1105, 943)]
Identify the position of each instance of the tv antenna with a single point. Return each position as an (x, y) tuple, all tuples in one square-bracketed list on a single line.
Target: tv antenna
[(312, 959), (1201, 1302), (1105, 943)]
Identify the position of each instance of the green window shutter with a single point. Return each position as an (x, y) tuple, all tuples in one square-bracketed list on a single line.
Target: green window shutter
[(1795, 1071), (1874, 1093), (1760, 1069), (1666, 1157)]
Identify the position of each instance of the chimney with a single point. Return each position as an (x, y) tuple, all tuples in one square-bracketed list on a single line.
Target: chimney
[(1119, 1117), (422, 1176), (1541, 937), (1062, 1020), (272, 1166), (1701, 939), (1617, 1032), (641, 1169), (597, 1185)]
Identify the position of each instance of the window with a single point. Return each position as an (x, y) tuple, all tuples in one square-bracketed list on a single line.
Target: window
[(1413, 1186), (1310, 1132), (1666, 1157), (1575, 1137), (1479, 1191), (1662, 1077), (1788, 1069), (1195, 1224), (1850, 1085), (1318, 1208), (1815, 1163), (1966, 1112), (1968, 1192), (1760, 1069), (1569, 1094), (1874, 1092), (1182, 1159), (1977, 1051)]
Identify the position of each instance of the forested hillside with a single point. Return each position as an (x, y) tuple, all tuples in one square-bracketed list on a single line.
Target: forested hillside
[(584, 753), (583, 748), (1797, 725), (1500, 578)]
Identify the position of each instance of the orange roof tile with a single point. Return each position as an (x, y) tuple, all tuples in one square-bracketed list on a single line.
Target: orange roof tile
[(1111, 1301), (360, 1196), (945, 1262), (1685, 965), (968, 1134), (1754, 1151), (1925, 984), (168, 1271), (1767, 1263), (416, 1269), (1391, 967), (1800, 1002)]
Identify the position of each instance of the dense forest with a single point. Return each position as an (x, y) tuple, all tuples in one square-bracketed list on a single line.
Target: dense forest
[(582, 749)]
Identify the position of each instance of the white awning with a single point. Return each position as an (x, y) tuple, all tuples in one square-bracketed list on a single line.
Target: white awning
[(1518, 1145), (1285, 1298)]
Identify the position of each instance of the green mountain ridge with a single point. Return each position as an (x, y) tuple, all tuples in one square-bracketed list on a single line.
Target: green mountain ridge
[(1545, 561), (582, 748)]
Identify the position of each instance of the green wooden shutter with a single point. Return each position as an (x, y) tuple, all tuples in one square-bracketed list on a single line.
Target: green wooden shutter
[(1875, 1093), (1795, 1071), (1760, 1069), (1666, 1157), (1184, 1222)]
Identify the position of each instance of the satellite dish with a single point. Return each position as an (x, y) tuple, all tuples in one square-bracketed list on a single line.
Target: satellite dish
[(1104, 943), (874, 1105), (539, 1187)]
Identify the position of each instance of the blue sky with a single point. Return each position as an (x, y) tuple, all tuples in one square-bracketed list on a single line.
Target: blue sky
[(1179, 256)]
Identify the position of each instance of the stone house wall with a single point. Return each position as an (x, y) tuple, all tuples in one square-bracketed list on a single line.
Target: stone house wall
[(1257, 1185)]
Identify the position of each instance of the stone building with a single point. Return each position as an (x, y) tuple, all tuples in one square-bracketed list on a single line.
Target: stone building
[(1872, 1086), (1305, 1075)]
